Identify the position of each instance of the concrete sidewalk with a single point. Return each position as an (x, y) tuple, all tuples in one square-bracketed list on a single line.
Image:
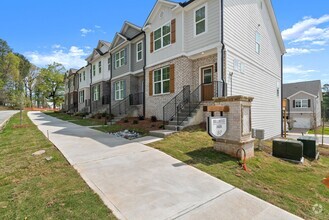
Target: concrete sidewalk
[(139, 182), (5, 116)]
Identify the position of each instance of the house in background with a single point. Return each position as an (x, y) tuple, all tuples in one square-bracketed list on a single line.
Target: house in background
[(71, 91), (202, 49), (127, 80), (304, 104), (100, 75)]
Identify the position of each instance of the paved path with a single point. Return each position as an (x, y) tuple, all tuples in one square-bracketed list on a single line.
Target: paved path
[(295, 136), (139, 182), (4, 116)]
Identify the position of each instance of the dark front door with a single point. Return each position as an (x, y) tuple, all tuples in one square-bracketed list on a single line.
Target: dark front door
[(207, 83)]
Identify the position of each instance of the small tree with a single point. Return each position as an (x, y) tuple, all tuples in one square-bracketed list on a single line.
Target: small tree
[(51, 83)]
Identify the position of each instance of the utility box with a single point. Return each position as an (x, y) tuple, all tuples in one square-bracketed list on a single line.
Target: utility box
[(258, 134), (310, 148), (288, 150)]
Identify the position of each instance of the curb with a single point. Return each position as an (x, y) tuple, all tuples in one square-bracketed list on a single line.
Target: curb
[(3, 124)]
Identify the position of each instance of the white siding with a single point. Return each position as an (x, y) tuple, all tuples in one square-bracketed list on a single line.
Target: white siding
[(212, 35), (262, 71), (156, 22)]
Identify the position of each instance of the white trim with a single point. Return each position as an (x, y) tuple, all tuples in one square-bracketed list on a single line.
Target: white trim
[(161, 81), (314, 96), (120, 58), (155, 8), (142, 49), (120, 90), (205, 18), (301, 103), (162, 36)]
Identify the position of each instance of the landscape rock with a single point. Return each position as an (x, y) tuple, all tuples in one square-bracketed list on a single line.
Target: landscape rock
[(38, 153), (49, 158), (130, 135)]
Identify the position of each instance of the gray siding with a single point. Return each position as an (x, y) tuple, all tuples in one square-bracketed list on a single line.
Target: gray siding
[(136, 65), (131, 32), (123, 69), (213, 29)]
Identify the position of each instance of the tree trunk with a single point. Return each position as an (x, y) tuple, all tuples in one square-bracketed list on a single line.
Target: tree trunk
[(54, 103)]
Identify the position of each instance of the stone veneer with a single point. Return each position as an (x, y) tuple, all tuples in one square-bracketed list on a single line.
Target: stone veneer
[(187, 72), (234, 138)]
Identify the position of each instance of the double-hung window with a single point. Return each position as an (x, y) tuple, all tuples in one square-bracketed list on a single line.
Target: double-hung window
[(118, 86), (100, 67), (109, 63), (162, 36), (200, 21), (80, 77), (84, 75), (139, 51), (96, 92), (301, 103), (94, 70), (258, 41), (161, 81), (120, 58), (82, 96)]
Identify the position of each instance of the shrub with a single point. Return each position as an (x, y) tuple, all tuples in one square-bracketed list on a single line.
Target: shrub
[(141, 117), (154, 118), (161, 127), (135, 122), (104, 114), (125, 120)]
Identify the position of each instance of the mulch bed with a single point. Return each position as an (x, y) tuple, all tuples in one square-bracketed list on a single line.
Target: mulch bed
[(146, 125)]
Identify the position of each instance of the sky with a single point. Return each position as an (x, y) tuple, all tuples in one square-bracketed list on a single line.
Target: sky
[(66, 31)]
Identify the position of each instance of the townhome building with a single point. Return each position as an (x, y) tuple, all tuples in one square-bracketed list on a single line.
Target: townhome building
[(202, 49), (71, 91), (84, 79), (100, 74), (128, 61), (303, 104)]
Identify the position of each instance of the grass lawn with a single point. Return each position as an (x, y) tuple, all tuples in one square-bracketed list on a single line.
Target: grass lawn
[(33, 188), (295, 188), (76, 120), (319, 131)]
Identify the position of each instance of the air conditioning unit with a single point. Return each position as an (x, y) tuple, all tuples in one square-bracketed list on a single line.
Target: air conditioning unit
[(258, 134)]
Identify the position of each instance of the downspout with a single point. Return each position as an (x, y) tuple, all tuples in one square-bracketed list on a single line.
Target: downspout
[(144, 72), (110, 87), (282, 126), (90, 88), (223, 48)]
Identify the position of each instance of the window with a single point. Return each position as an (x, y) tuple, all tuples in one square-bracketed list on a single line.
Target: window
[(258, 40), (162, 37), (109, 63), (81, 96), (118, 86), (94, 70), (161, 81), (120, 59), (84, 75), (96, 92), (207, 75), (301, 103), (139, 51), (100, 67), (200, 20), (80, 77)]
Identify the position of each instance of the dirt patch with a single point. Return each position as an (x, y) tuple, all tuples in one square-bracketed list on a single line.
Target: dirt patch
[(21, 126), (145, 125)]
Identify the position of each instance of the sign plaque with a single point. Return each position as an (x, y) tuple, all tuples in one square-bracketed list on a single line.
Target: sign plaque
[(217, 126)]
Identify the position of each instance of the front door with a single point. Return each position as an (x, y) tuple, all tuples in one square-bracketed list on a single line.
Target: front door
[(207, 83)]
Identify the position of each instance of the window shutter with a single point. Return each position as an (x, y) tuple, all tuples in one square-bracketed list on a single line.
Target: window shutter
[(293, 103), (126, 50), (113, 92), (124, 89), (151, 42), (173, 31), (172, 78), (151, 83), (309, 103)]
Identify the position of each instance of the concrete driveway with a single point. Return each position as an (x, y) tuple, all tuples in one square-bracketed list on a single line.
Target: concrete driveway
[(5, 115), (139, 182)]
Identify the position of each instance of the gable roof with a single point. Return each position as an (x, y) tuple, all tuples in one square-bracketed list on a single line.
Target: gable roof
[(116, 38), (157, 5), (311, 87)]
